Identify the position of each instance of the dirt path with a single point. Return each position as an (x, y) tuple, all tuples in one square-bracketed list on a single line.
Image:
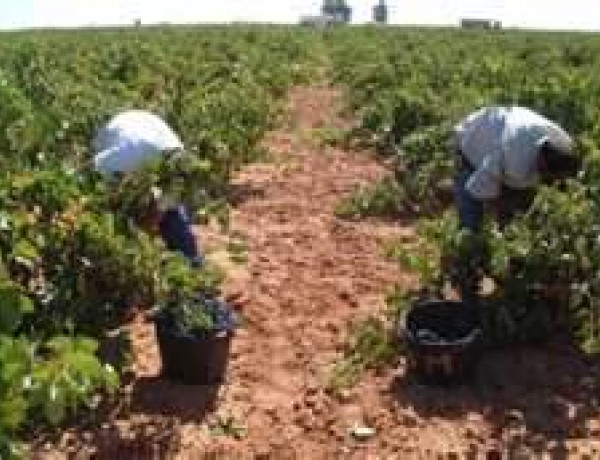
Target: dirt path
[(308, 277)]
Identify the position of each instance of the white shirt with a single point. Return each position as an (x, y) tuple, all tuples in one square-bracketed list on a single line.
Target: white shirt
[(502, 144), (131, 139)]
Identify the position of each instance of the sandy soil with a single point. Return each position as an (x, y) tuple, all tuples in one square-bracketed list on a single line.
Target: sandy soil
[(308, 277)]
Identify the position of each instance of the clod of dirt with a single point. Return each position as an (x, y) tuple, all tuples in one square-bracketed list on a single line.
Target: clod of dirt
[(514, 417)]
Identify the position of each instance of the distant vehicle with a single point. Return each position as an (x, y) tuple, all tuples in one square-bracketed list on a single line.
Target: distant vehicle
[(480, 24)]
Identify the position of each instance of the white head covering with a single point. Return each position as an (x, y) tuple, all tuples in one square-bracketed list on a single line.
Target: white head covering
[(131, 139)]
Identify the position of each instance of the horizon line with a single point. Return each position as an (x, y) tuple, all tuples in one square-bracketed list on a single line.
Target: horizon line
[(133, 25)]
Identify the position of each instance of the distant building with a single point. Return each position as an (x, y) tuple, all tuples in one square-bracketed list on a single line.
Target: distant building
[(333, 12), (480, 24), (337, 11), (380, 13)]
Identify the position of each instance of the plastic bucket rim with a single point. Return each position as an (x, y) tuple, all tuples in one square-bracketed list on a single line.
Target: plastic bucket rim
[(405, 332), (164, 324)]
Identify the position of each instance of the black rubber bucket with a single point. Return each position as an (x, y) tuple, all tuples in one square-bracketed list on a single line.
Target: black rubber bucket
[(444, 341), (193, 359)]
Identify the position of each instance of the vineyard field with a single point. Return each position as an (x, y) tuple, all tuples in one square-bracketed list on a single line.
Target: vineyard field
[(319, 169)]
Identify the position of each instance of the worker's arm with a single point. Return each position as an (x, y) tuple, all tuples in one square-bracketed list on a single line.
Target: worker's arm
[(485, 183)]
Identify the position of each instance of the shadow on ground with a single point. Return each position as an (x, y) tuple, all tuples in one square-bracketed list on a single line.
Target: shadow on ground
[(188, 403), (531, 397), (240, 193), (145, 423)]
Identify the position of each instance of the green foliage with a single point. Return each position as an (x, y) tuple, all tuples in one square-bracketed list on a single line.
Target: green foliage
[(67, 378), (15, 304), (371, 345), (383, 198), (409, 86), (329, 136), (398, 302), (75, 252), (422, 259), (237, 247), (179, 286), (228, 426)]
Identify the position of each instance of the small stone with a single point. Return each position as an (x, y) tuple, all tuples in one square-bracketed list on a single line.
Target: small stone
[(362, 433), (344, 450), (593, 428), (474, 417), (552, 445), (345, 395), (514, 416)]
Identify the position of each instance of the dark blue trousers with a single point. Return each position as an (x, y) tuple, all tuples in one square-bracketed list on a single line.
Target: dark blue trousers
[(470, 210), (176, 231)]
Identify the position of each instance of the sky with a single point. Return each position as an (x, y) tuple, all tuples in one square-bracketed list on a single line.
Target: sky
[(550, 14)]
